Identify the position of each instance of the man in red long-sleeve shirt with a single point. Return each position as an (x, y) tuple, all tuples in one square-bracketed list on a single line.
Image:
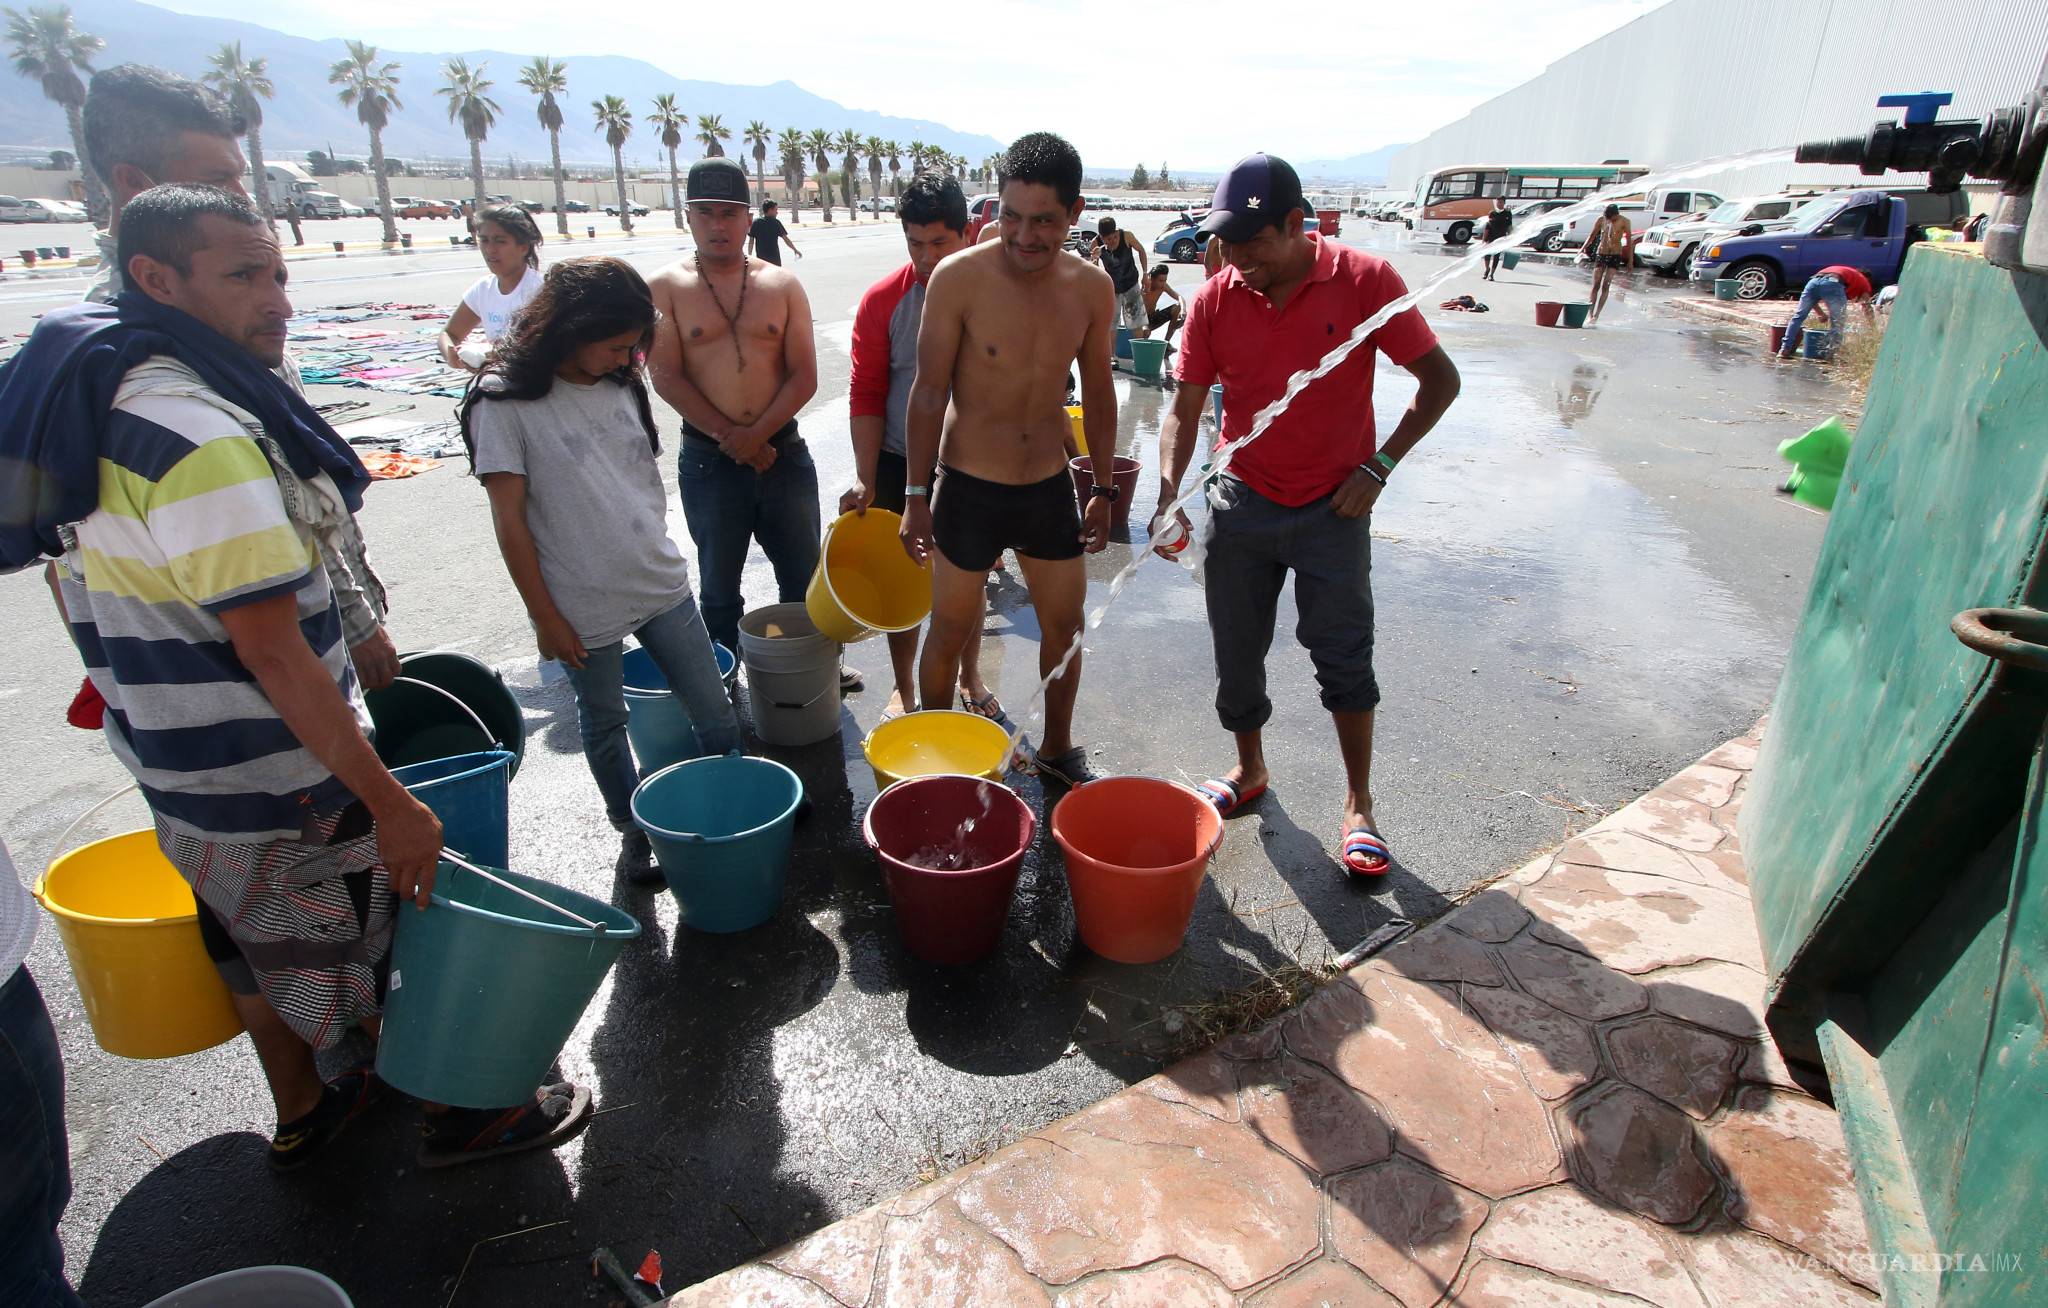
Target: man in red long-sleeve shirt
[(934, 215)]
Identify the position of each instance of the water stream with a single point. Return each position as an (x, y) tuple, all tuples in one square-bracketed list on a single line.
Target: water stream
[(1300, 381)]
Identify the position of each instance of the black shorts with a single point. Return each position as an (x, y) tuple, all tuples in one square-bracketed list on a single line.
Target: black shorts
[(1613, 260), (974, 521), (891, 473), (1159, 316)]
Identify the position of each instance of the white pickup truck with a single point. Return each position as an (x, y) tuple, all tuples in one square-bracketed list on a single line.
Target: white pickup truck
[(1643, 209), (1668, 247)]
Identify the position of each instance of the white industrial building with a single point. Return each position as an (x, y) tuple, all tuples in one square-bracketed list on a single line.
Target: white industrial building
[(1698, 79)]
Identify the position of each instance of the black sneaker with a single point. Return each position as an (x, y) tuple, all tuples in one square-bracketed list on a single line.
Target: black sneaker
[(636, 860)]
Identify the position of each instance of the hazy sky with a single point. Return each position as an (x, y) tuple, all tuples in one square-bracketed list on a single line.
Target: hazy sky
[(1201, 82)]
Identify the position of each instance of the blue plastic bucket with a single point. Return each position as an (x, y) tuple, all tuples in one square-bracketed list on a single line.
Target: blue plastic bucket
[(469, 793), (487, 985), (1216, 403), (1509, 258), (1817, 343), (656, 721), (721, 830), (1123, 342)]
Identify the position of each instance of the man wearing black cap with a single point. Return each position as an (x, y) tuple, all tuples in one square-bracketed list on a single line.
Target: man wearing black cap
[(1300, 497), (733, 353)]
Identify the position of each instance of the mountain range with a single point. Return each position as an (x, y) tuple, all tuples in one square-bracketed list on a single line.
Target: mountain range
[(1368, 167), (306, 116)]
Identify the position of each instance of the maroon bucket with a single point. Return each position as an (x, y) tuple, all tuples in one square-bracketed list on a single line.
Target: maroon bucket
[(1547, 312), (950, 914), (1124, 475)]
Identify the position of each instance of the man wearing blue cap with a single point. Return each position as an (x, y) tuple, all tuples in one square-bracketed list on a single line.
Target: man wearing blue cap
[(1300, 497)]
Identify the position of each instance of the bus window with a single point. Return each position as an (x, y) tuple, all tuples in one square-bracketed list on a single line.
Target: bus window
[(1466, 186)]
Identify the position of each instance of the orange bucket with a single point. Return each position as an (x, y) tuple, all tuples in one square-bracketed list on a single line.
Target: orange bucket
[(1137, 849)]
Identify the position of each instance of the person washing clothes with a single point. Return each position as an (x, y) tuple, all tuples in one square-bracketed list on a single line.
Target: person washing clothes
[(1831, 290), (561, 432)]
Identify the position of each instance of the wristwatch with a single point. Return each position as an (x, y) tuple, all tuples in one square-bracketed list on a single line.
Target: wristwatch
[(1110, 492)]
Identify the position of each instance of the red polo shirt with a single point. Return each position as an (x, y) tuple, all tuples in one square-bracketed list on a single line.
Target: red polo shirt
[(1234, 335)]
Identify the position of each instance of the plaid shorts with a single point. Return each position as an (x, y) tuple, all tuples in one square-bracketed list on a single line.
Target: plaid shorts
[(309, 918)]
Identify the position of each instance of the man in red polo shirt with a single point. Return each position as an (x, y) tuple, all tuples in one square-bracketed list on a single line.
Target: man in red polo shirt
[(1300, 497)]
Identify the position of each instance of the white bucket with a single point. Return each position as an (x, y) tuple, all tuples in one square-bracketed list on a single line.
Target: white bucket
[(258, 1287), (792, 676)]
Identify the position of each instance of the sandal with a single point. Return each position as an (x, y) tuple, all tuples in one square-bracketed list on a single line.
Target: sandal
[(1366, 854), (1069, 769), (342, 1101), (1228, 796), (555, 1115), (988, 706)]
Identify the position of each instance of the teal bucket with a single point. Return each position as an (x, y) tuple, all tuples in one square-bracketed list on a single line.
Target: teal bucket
[(1148, 358), (1216, 404), (442, 705), (1509, 258), (1817, 343), (470, 794), (656, 721), (486, 986), (1727, 288), (1575, 314), (721, 830)]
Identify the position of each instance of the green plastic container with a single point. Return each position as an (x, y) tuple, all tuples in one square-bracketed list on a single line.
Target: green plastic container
[(1727, 288), (487, 985), (1148, 357), (1575, 314), (443, 704), (1509, 258)]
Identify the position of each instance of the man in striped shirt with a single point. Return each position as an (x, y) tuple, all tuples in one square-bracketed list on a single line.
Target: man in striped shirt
[(211, 629)]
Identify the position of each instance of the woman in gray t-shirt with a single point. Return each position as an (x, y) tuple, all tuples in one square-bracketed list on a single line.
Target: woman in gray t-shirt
[(561, 433)]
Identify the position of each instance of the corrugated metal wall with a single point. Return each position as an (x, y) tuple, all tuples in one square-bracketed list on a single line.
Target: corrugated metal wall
[(1701, 78)]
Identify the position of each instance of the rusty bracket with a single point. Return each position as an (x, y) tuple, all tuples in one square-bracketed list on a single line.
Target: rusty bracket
[(2015, 636)]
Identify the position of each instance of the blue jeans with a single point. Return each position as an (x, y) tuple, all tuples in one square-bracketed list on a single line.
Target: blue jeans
[(728, 505), (1819, 290), (677, 642), (35, 1156)]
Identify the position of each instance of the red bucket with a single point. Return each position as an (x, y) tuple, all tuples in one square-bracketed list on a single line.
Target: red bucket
[(1547, 312), (1777, 335), (1137, 850), (1124, 476), (945, 914)]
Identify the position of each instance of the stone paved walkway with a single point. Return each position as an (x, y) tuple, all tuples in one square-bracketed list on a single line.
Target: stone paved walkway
[(1555, 1095)]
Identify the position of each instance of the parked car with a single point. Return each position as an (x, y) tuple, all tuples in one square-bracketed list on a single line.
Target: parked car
[(1642, 209), (1668, 248), (16, 211), (1870, 230), (321, 204), (639, 210), (575, 206), (1545, 237), (49, 211), (66, 211), (418, 206), (981, 211)]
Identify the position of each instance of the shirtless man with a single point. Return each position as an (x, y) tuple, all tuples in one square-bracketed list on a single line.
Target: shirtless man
[(1610, 245), (1157, 288), (1002, 324), (733, 353)]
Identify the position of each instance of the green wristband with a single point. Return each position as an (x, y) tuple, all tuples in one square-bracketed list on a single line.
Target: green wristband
[(1385, 460)]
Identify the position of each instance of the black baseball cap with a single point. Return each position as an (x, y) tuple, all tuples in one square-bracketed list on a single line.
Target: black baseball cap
[(718, 179), (1255, 194)]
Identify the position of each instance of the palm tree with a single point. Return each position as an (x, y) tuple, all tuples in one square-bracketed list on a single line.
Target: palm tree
[(757, 136), (848, 143), (894, 150), (470, 104), (710, 131), (790, 146), (47, 46), (547, 79), (819, 142), (372, 88), (670, 118), (246, 84), (960, 166), (873, 147), (617, 121)]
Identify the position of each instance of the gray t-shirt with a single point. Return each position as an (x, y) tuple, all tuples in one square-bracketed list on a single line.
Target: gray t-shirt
[(594, 503)]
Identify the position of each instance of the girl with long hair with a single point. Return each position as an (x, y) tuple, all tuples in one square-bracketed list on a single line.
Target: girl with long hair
[(509, 240), (561, 432)]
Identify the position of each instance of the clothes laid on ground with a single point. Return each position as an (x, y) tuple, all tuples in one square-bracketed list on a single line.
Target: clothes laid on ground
[(768, 233), (391, 465), (494, 308), (1233, 335), (974, 520), (592, 485), (885, 354), (192, 523)]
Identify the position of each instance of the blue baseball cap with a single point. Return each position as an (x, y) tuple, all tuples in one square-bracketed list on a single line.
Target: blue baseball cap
[(1255, 194)]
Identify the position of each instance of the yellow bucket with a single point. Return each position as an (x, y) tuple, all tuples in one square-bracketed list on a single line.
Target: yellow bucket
[(1080, 436), (865, 582), (131, 929), (937, 741)]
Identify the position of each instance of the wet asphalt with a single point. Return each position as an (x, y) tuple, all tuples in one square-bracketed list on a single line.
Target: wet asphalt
[(1583, 580)]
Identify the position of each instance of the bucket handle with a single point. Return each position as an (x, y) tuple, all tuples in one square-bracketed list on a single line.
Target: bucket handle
[(76, 823), (456, 700), (461, 862), (776, 703)]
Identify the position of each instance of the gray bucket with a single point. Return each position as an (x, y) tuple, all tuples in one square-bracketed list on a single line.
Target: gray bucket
[(258, 1287), (792, 676)]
